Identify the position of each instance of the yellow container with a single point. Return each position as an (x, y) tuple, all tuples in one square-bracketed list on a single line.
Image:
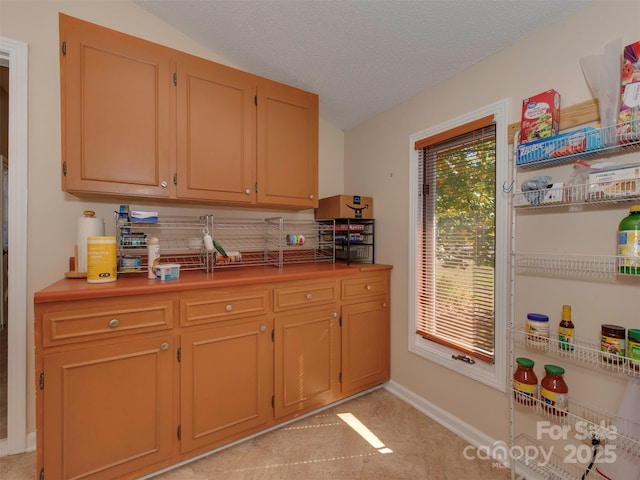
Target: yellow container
[(101, 260)]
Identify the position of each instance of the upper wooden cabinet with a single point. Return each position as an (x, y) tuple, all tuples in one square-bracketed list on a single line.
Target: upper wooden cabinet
[(287, 146), (116, 102), (143, 120)]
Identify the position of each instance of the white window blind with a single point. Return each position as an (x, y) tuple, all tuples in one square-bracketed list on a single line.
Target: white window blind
[(456, 239)]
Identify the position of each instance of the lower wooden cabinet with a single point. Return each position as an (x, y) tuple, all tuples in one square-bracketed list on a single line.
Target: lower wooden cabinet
[(107, 410), (226, 382), (365, 345), (307, 360), (130, 385)]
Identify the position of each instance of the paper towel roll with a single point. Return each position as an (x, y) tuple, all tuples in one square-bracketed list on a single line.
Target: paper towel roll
[(88, 226)]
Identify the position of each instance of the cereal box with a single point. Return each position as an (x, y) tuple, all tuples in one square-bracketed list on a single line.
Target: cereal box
[(629, 117), (540, 116)]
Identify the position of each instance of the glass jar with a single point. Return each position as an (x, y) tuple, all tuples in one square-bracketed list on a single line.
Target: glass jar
[(633, 348), (554, 391), (537, 329), (612, 343), (525, 382)]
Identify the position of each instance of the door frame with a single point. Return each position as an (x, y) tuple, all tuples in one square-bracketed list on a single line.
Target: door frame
[(15, 54)]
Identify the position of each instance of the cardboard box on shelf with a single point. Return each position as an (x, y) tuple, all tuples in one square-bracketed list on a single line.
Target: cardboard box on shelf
[(345, 206), (615, 183), (540, 116)]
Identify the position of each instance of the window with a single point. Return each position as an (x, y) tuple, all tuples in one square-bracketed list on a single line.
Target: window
[(458, 264)]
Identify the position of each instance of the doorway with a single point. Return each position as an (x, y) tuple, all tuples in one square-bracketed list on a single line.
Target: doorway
[(14, 56)]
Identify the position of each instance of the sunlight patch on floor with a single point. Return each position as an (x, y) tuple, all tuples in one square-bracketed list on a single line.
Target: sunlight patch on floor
[(364, 432)]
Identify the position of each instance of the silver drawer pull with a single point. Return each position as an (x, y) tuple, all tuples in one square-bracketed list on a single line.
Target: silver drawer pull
[(263, 328), (309, 296), (114, 323), (228, 308), (368, 287), (164, 346)]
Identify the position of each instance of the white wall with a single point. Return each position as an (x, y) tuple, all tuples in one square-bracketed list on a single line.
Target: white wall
[(52, 213), (377, 163)]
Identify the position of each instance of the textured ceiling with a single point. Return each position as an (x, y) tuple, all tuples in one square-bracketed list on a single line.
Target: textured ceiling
[(361, 56)]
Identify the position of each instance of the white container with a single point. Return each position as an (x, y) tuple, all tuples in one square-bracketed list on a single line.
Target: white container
[(153, 253), (537, 329), (87, 226), (167, 271)]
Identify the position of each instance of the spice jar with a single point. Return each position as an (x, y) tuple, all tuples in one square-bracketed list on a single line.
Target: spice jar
[(525, 382), (553, 391), (612, 343), (633, 347), (537, 329)]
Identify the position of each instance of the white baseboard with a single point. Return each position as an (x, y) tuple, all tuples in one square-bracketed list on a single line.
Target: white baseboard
[(452, 423)]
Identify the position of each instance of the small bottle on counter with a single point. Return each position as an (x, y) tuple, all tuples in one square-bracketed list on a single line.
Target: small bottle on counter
[(525, 382), (565, 331), (554, 391), (153, 253)]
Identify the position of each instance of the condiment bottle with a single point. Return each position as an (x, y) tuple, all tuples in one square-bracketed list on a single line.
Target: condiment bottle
[(565, 331), (629, 242), (553, 391), (537, 329), (153, 252), (525, 382)]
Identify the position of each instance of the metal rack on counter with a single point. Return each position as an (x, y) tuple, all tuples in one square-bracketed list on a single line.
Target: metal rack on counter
[(245, 242)]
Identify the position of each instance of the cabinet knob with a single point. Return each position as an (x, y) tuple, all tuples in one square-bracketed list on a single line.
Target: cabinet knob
[(263, 328), (114, 323), (384, 304), (334, 314), (309, 296), (228, 308), (164, 184), (311, 197), (368, 287), (164, 346), (248, 191)]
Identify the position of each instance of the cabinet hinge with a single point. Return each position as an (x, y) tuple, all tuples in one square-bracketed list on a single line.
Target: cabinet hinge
[(273, 401), (41, 381), (175, 79), (179, 432), (175, 179), (64, 168), (255, 187), (64, 48), (42, 474), (273, 335), (340, 322), (255, 100), (340, 378), (179, 354)]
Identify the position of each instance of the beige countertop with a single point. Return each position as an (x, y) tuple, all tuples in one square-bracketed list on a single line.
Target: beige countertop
[(138, 284)]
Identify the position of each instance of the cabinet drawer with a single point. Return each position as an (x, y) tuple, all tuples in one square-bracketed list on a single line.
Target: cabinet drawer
[(366, 285), (223, 304), (304, 294), (100, 319)]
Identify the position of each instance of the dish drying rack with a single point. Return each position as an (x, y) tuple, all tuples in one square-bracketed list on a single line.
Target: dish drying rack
[(247, 242)]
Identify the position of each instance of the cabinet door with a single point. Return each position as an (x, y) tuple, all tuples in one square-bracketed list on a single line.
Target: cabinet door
[(216, 125), (307, 360), (365, 345), (108, 409), (226, 374), (287, 146), (116, 97)]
